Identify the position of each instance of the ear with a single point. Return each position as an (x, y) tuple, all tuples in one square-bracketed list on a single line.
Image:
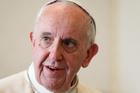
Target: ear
[(32, 38), (91, 52)]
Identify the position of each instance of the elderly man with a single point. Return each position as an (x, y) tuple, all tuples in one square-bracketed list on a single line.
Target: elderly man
[(63, 42)]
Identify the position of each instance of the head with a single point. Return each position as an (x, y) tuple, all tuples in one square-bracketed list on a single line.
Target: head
[(62, 43)]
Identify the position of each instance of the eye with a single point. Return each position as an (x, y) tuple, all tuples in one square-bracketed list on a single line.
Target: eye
[(45, 41), (70, 45)]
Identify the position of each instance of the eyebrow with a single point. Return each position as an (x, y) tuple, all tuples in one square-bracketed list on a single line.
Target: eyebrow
[(71, 40), (45, 33), (63, 39)]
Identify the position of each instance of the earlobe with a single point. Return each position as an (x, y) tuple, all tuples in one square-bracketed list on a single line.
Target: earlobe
[(91, 52), (95, 49), (31, 38)]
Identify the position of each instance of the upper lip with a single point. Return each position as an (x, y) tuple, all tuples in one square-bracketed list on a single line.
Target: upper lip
[(54, 68)]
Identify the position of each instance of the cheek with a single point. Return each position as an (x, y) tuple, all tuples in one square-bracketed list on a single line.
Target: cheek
[(74, 61), (39, 56)]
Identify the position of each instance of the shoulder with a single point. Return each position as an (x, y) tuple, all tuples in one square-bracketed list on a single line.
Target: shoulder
[(13, 82), (84, 89), (13, 78)]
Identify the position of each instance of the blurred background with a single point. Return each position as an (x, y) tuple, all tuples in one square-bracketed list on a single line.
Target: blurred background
[(116, 67)]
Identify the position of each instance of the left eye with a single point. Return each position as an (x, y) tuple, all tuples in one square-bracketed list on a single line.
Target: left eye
[(70, 45)]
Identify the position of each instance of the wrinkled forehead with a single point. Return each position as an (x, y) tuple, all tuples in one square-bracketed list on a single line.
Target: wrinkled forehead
[(64, 8), (83, 5), (67, 2), (63, 15)]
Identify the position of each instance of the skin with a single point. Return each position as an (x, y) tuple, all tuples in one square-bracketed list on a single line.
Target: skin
[(61, 22)]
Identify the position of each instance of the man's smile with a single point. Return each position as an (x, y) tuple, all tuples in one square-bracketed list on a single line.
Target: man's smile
[(53, 72)]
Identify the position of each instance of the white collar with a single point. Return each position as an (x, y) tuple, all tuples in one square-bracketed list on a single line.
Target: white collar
[(39, 88)]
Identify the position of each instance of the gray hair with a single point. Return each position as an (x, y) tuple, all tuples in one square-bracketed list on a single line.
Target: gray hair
[(92, 25)]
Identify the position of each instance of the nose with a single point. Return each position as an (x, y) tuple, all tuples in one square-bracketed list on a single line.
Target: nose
[(56, 51)]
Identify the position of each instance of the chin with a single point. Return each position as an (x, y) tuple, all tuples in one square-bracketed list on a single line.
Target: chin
[(56, 88), (54, 84)]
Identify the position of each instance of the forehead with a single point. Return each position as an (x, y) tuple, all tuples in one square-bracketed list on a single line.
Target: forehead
[(62, 18)]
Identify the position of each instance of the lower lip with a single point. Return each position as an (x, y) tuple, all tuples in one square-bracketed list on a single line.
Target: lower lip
[(53, 73)]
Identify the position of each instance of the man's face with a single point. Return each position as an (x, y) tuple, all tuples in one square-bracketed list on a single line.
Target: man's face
[(59, 47)]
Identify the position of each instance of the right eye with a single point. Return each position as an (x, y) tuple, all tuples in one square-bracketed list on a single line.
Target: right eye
[(45, 41)]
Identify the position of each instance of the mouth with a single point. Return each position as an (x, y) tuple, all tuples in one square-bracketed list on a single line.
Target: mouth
[(53, 68), (53, 72)]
